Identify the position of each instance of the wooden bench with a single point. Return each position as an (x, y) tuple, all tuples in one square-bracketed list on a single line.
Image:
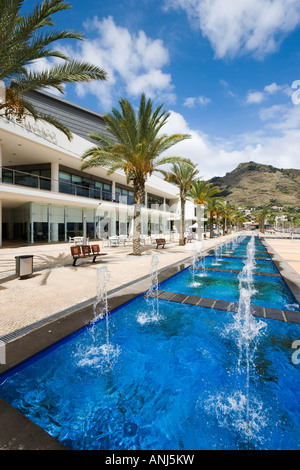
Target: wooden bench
[(85, 251), (160, 242)]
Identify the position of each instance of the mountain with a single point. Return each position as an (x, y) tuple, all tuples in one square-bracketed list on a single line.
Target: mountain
[(254, 184)]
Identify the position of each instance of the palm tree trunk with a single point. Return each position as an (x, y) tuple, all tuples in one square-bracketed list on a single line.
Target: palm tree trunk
[(228, 224), (218, 224), (138, 197), (200, 214), (211, 225), (181, 236)]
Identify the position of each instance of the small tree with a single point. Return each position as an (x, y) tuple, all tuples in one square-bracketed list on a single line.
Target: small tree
[(201, 192), (182, 175), (214, 205), (261, 217)]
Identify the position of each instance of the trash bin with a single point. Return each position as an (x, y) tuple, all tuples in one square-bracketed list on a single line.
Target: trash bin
[(24, 266)]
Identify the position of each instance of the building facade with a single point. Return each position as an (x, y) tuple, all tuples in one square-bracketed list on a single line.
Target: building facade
[(44, 197)]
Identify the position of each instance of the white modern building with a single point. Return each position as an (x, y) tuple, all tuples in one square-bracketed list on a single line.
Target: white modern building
[(44, 197)]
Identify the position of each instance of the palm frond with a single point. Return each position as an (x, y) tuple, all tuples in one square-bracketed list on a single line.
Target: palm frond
[(23, 41), (136, 145), (58, 75)]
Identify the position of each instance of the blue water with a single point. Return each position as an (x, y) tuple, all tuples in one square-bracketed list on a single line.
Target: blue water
[(270, 291), (227, 262), (171, 384)]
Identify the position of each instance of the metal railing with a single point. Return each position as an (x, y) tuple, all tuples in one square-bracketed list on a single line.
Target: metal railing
[(22, 178)]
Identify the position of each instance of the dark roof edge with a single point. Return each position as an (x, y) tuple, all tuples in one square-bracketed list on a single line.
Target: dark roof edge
[(63, 100)]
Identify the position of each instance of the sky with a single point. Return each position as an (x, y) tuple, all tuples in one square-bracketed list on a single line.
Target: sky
[(227, 70)]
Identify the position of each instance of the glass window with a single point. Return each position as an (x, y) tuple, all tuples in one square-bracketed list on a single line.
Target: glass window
[(87, 183), (25, 179), (45, 183), (65, 185), (45, 173), (64, 176), (76, 179), (7, 176)]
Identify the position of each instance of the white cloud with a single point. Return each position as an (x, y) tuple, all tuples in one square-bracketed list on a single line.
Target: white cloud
[(272, 88), (236, 27), (272, 112), (228, 92), (134, 63), (152, 83), (215, 158), (192, 101), (255, 97), (203, 100)]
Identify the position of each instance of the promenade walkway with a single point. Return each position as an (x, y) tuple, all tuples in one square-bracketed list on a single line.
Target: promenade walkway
[(288, 249)]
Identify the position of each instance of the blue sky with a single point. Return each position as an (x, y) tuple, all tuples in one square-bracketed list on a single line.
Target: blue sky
[(224, 68)]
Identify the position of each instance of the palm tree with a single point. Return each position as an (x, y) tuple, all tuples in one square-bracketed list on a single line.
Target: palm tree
[(201, 192), (134, 145), (214, 206), (261, 218), (234, 217), (228, 211), (239, 220), (182, 175), (25, 39)]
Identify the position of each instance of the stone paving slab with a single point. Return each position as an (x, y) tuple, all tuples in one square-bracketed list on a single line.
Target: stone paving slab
[(282, 252), (288, 250)]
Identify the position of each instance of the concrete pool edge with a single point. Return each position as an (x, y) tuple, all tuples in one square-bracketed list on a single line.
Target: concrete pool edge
[(20, 433)]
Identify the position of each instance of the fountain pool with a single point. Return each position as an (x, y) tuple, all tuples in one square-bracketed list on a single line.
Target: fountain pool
[(178, 382)]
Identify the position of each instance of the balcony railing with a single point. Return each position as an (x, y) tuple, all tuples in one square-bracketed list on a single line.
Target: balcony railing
[(25, 179), (22, 178), (30, 180)]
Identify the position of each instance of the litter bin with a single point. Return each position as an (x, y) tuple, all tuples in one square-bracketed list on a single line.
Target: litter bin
[(24, 266)]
